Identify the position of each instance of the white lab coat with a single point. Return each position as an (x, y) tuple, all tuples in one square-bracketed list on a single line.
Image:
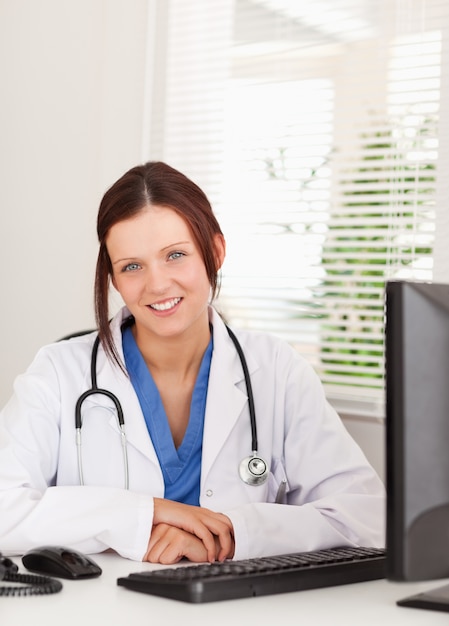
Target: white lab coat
[(333, 497)]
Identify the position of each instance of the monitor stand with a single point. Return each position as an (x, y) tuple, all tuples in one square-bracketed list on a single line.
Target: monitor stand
[(434, 599)]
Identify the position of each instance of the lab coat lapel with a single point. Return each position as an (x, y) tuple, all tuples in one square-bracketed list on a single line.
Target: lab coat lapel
[(226, 397), (112, 378), (135, 426)]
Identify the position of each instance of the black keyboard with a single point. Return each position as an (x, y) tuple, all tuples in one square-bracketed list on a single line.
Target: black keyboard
[(261, 576)]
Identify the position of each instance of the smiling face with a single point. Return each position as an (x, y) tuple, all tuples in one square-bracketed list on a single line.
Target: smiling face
[(160, 273)]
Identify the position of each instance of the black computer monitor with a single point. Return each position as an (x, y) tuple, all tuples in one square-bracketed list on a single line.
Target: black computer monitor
[(417, 437)]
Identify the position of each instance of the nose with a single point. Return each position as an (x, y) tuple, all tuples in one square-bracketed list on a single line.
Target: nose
[(157, 280)]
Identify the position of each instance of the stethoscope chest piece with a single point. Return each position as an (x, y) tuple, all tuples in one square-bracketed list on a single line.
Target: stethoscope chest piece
[(253, 470)]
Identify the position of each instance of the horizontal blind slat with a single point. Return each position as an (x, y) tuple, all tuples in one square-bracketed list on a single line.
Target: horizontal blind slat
[(318, 142)]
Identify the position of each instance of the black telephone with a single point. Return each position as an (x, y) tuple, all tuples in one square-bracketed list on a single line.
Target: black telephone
[(33, 585)]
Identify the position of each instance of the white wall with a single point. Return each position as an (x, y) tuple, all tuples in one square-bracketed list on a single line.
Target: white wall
[(370, 435), (71, 118)]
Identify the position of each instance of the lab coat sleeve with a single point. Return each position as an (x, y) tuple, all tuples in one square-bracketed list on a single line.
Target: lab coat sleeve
[(35, 510), (334, 497)]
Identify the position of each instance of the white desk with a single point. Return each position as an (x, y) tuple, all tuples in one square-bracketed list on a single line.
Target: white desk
[(101, 601)]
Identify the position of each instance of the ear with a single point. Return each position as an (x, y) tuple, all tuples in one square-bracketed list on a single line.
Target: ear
[(220, 250)]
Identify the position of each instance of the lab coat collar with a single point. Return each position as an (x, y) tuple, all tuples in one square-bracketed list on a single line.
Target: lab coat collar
[(227, 396), (111, 377)]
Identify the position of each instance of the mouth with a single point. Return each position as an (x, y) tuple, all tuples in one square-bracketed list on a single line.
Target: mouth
[(166, 305)]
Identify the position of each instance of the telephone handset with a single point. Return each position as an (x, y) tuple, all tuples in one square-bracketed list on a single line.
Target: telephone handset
[(33, 585)]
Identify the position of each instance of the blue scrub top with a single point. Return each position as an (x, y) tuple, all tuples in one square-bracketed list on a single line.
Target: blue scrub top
[(181, 467)]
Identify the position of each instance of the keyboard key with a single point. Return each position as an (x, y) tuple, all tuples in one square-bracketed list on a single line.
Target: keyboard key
[(261, 576)]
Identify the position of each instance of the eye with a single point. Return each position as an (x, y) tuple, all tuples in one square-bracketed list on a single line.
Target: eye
[(131, 267), (173, 256)]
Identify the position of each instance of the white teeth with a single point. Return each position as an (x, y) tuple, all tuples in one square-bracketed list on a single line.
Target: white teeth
[(164, 306)]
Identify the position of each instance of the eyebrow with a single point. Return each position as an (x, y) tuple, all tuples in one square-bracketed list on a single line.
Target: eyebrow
[(174, 245), (123, 260), (170, 245)]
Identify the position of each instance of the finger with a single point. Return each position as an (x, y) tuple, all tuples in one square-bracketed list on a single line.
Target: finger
[(201, 522), (167, 548), (155, 543), (208, 540), (225, 552), (190, 518), (183, 544), (172, 544), (168, 556), (223, 529)]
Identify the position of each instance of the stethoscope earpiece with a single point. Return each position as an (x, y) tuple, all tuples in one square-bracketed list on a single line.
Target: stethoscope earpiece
[(253, 470)]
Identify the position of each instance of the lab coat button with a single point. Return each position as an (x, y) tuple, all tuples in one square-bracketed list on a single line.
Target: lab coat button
[(209, 493)]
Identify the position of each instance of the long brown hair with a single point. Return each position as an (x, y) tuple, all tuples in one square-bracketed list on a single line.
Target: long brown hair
[(159, 184)]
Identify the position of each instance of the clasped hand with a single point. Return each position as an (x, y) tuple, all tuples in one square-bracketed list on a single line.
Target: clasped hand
[(181, 530)]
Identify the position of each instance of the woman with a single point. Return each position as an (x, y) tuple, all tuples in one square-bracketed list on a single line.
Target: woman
[(168, 357)]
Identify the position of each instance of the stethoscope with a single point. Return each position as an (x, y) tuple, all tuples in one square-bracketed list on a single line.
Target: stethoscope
[(94, 390), (253, 470)]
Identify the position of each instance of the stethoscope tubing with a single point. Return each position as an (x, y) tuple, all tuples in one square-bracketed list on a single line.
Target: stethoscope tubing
[(253, 470), (249, 391), (94, 390)]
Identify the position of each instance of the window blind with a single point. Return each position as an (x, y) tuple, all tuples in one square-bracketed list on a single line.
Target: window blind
[(315, 130)]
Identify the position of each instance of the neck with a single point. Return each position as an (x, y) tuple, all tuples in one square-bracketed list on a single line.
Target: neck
[(178, 356)]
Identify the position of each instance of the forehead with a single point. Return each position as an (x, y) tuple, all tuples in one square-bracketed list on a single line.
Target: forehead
[(157, 226)]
